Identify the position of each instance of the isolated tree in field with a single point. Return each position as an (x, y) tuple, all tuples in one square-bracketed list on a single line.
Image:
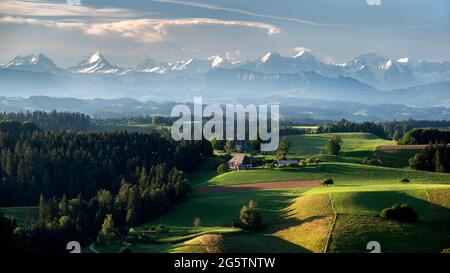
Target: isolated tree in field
[(284, 148), (197, 222), (333, 145), (250, 218), (229, 146)]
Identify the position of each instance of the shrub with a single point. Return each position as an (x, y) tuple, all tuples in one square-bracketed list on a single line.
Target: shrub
[(369, 161), (333, 145), (197, 222), (249, 219), (404, 180), (162, 229), (125, 250), (327, 181), (222, 168), (302, 163), (401, 213), (446, 250)]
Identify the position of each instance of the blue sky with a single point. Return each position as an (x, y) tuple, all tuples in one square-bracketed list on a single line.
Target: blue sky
[(246, 29)]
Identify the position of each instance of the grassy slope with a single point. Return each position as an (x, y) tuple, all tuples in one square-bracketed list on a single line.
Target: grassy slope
[(341, 173)]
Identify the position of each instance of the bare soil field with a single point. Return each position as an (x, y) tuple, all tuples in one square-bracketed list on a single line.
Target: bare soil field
[(260, 186)]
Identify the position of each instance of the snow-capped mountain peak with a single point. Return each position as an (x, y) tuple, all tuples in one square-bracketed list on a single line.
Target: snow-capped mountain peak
[(216, 60), (386, 65), (95, 57), (270, 56), (301, 52), (35, 63), (96, 63), (266, 57)]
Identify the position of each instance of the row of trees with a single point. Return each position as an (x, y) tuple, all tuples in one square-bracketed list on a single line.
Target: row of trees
[(386, 129), (349, 126), (425, 136), (434, 158), (51, 121)]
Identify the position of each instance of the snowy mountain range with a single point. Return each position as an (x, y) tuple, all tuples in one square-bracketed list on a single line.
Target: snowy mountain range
[(369, 78)]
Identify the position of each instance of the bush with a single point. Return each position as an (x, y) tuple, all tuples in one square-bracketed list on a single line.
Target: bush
[(125, 250), (222, 168), (327, 181), (369, 161), (302, 163), (162, 229), (197, 222), (401, 213), (249, 219), (446, 250), (333, 145), (404, 180)]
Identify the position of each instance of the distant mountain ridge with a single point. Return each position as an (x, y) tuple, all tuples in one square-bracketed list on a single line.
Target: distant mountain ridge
[(289, 107), (363, 79)]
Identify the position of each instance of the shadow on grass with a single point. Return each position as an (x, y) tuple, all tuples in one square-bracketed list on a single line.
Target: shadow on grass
[(374, 202), (252, 242)]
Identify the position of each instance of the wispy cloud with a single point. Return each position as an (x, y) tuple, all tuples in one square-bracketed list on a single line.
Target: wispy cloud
[(244, 12), (144, 30), (37, 8)]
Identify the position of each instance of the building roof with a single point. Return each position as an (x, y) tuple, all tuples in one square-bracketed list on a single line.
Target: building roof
[(237, 160)]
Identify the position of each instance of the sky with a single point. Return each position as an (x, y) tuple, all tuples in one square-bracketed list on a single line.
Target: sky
[(170, 30)]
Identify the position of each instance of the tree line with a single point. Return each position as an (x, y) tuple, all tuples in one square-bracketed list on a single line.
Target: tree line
[(425, 136), (51, 121), (434, 158), (395, 130), (349, 126)]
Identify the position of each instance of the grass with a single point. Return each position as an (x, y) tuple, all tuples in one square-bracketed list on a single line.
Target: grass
[(222, 209), (313, 144), (371, 203), (338, 218), (20, 213), (395, 158), (352, 233), (342, 173), (307, 222)]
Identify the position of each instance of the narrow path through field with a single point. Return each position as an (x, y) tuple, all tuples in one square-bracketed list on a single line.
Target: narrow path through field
[(259, 186)]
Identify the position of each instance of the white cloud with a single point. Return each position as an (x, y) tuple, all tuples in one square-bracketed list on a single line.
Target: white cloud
[(374, 2), (144, 30)]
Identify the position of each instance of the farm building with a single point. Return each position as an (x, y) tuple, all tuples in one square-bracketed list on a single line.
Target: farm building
[(239, 162)]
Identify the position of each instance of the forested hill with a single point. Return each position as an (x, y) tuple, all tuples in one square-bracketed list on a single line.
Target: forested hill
[(50, 121), (73, 163)]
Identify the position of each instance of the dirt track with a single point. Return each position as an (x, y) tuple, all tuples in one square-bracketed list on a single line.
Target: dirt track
[(259, 186), (400, 147)]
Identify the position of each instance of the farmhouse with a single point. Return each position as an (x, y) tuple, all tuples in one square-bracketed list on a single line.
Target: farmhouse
[(239, 162)]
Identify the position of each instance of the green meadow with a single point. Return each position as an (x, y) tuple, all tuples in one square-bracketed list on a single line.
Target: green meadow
[(342, 217)]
